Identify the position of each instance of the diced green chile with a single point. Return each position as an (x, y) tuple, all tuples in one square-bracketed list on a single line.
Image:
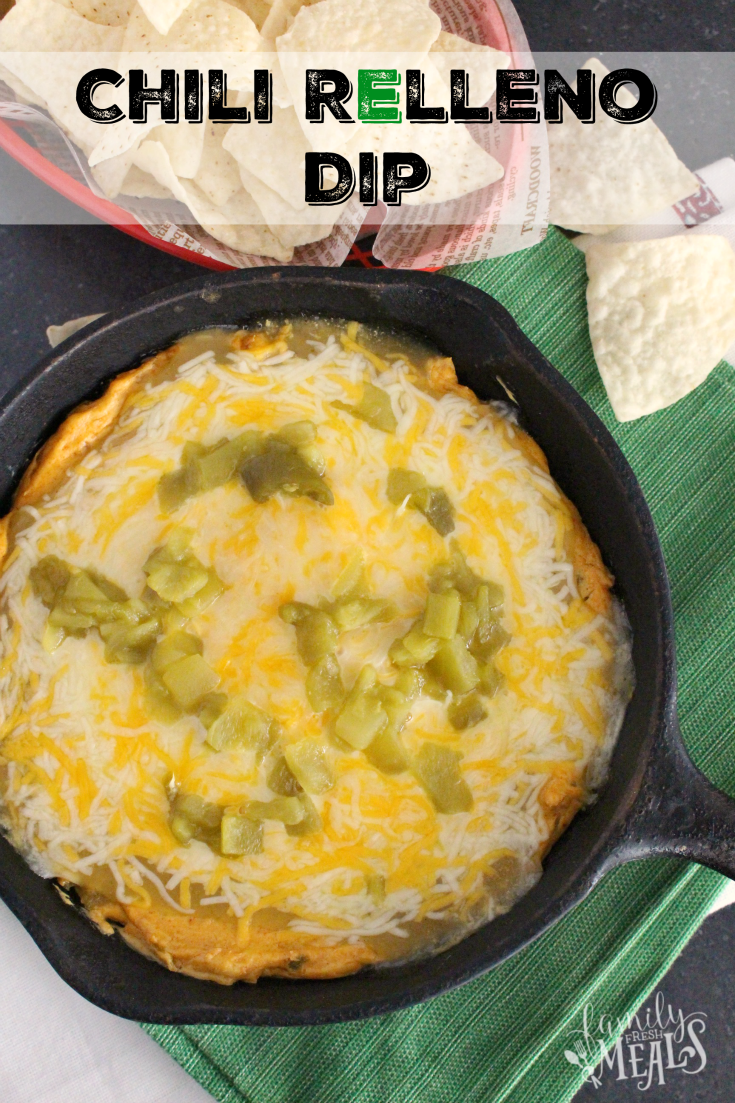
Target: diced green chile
[(441, 615), (308, 763), (176, 645), (387, 753), (130, 643), (491, 679), (240, 835), (192, 817), (437, 769), (159, 702), (285, 810), (189, 680), (278, 467), (311, 822), (455, 667), (402, 483), (241, 725), (363, 715), (49, 578), (466, 712), (316, 636), (374, 407), (211, 707), (486, 645), (281, 780), (324, 689), (436, 507)]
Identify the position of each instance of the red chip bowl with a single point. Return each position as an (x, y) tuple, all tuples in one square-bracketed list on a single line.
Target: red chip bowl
[(501, 28)]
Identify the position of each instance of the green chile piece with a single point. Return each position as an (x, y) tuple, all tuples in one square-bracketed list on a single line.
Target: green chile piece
[(409, 683), (211, 707), (469, 619), (387, 753), (421, 646), (297, 433), (374, 407), (308, 763), (357, 611), (316, 636), (241, 725), (217, 465), (455, 667), (178, 581), (402, 483), (240, 835), (49, 578), (202, 599), (363, 715), (401, 657), (278, 467), (466, 712), (324, 689), (491, 680), (281, 780), (110, 589), (192, 817), (176, 645), (436, 507), (436, 768), (441, 615), (294, 612), (159, 702), (454, 573), (189, 680), (486, 645), (312, 821), (175, 487), (126, 643), (286, 810), (432, 501)]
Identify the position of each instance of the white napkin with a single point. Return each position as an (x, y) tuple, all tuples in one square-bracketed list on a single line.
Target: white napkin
[(58, 1048)]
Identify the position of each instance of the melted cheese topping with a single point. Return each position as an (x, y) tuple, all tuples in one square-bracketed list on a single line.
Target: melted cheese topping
[(85, 768)]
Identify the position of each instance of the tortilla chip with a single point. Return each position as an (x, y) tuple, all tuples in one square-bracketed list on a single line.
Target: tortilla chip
[(458, 164), (218, 175), (206, 26), (164, 13), (184, 144), (480, 62), (258, 10), (661, 317), (142, 185), (108, 13), (274, 152), (47, 27), (331, 30), (47, 48), (292, 228), (236, 223), (111, 173), (606, 174)]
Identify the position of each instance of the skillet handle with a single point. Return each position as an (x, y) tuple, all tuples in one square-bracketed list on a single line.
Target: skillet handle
[(679, 813)]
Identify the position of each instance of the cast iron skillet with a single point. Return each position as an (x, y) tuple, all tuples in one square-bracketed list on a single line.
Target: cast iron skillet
[(656, 801)]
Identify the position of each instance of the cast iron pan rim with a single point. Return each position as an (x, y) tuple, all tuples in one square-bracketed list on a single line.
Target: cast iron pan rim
[(590, 871)]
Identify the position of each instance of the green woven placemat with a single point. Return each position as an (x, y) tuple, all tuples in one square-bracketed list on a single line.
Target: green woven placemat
[(502, 1037)]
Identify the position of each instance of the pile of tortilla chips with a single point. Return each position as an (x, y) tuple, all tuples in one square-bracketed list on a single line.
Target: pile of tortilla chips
[(662, 311), (244, 183)]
